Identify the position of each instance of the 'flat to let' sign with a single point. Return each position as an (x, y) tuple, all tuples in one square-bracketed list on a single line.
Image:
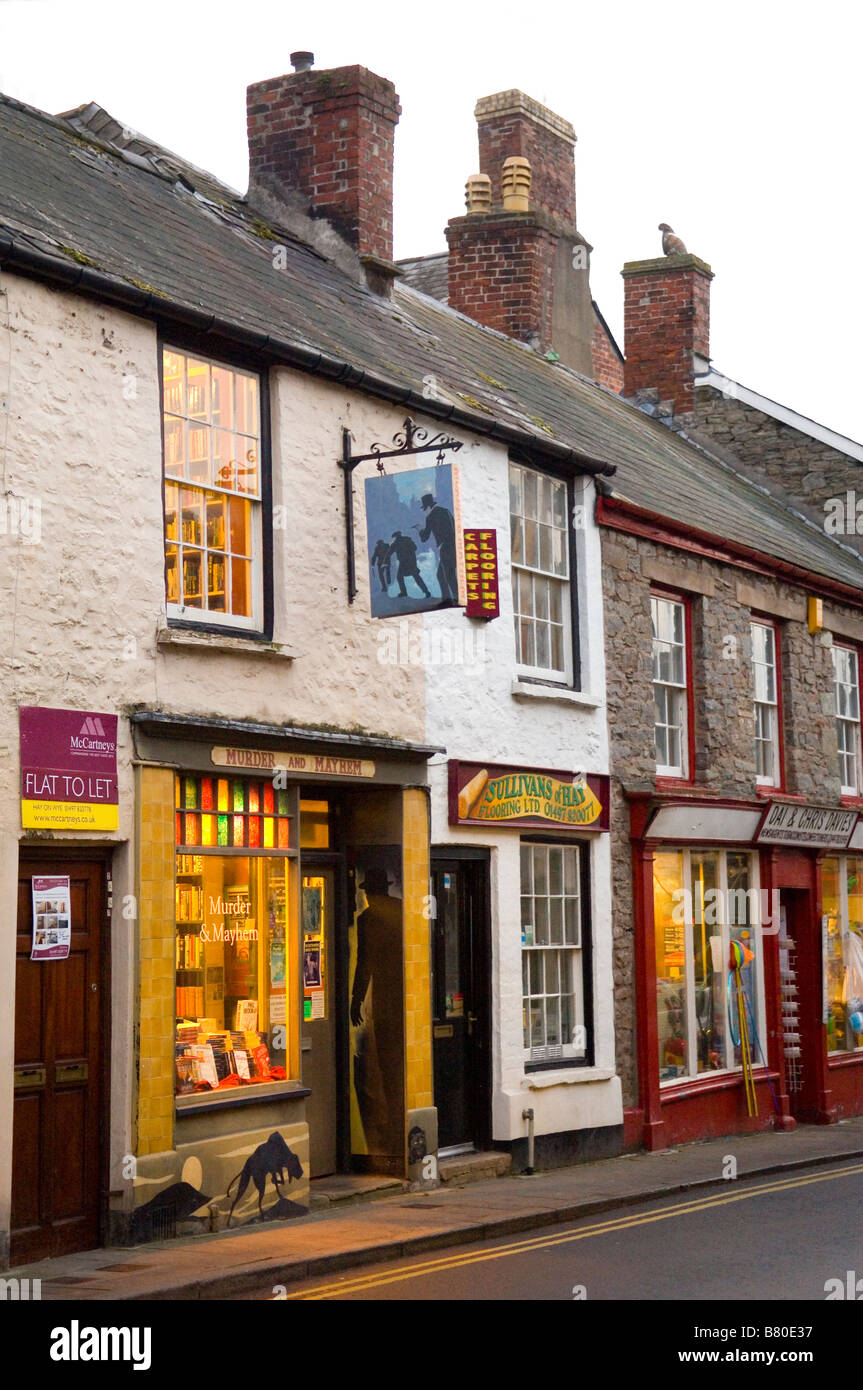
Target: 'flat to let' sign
[(480, 563), (68, 769)]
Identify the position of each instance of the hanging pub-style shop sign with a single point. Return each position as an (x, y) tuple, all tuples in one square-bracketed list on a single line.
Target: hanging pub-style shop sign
[(68, 769), (416, 561), (816, 827), (480, 566), (52, 917), (516, 796)]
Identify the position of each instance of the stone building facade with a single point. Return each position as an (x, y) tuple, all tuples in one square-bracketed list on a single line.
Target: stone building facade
[(720, 801)]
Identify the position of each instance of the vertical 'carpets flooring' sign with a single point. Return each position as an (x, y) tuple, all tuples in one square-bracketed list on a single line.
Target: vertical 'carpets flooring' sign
[(68, 769)]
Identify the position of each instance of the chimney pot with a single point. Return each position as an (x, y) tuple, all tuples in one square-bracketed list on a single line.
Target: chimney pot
[(515, 184), (302, 61), (477, 193)]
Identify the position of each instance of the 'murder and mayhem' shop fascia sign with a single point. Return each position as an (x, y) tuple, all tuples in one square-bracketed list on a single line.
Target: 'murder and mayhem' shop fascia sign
[(480, 793), (68, 769)]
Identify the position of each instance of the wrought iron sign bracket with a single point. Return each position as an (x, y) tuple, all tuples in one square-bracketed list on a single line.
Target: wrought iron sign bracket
[(411, 439)]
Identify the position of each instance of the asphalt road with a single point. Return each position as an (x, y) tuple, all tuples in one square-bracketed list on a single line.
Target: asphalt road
[(772, 1238)]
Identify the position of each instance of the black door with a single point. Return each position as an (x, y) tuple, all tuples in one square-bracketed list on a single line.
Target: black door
[(461, 988)]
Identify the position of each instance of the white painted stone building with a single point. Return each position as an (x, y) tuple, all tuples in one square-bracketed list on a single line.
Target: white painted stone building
[(139, 287)]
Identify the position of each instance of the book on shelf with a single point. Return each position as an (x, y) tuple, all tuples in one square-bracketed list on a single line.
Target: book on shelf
[(190, 863), (190, 902)]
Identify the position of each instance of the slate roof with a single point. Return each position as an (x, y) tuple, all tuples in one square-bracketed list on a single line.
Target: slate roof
[(146, 230)]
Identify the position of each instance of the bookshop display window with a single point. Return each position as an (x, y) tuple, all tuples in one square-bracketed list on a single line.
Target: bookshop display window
[(213, 494), (232, 933), (842, 906), (703, 901)]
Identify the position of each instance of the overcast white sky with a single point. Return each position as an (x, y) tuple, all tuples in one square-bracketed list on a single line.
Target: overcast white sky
[(739, 123)]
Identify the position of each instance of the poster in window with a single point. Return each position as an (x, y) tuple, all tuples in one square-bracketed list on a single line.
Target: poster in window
[(416, 554), (52, 918)]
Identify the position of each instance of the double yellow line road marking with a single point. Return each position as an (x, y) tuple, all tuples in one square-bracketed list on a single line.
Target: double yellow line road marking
[(538, 1243)]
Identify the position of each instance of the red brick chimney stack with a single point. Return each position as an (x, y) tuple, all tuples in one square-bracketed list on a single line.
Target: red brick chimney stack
[(511, 123), (666, 323), (329, 135), (520, 266)]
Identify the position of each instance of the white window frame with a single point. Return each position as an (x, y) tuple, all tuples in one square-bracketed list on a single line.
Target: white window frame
[(576, 1050), (845, 724), (680, 695), (538, 575), (768, 707), (207, 617), (729, 1069)]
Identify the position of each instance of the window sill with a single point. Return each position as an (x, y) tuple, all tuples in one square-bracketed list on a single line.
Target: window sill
[(567, 1076), (852, 803), (845, 1058), (536, 690), (689, 1087), (206, 1101), (777, 794), (185, 639)]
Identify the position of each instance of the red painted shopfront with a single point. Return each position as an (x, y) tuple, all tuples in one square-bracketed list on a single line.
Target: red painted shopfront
[(782, 882)]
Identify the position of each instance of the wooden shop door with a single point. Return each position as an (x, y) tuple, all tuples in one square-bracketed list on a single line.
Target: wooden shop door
[(56, 1145)]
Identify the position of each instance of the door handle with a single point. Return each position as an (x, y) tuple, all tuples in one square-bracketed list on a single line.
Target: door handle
[(471, 1020)]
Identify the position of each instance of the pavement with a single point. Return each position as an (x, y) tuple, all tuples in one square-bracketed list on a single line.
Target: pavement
[(228, 1263)]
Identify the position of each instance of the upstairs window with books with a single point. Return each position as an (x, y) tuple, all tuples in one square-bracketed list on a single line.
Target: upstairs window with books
[(232, 960), (213, 537)]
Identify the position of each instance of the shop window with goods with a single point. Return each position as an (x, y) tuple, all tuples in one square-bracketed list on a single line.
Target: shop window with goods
[(232, 905), (213, 499), (842, 906), (704, 902)]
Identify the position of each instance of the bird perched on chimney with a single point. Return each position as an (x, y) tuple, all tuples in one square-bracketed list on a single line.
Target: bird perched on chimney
[(671, 244)]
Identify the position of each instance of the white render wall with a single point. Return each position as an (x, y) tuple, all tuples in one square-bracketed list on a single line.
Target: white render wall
[(80, 434), (473, 712)]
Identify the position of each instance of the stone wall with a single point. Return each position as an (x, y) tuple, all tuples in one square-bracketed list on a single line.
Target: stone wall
[(808, 470)]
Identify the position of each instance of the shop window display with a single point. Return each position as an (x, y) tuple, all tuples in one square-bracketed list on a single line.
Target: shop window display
[(704, 900), (231, 933), (842, 906)]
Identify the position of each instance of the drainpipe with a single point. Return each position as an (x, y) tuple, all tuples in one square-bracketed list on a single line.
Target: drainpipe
[(528, 1115)]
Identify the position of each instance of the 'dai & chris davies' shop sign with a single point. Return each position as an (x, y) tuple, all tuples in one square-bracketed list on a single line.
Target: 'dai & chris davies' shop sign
[(68, 769), (519, 796)]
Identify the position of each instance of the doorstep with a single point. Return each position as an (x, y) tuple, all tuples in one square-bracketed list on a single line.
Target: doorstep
[(347, 1189), (474, 1167)]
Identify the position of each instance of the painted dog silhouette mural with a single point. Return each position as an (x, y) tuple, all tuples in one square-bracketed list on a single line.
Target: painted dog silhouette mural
[(270, 1160)]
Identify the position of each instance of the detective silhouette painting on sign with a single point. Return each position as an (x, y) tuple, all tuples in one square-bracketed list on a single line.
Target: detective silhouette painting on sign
[(414, 541)]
